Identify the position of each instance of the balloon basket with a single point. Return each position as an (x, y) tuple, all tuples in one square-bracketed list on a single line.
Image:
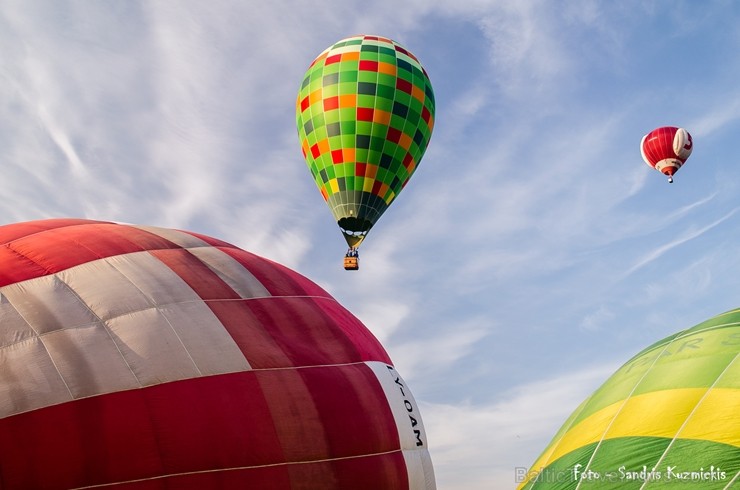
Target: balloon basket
[(351, 263)]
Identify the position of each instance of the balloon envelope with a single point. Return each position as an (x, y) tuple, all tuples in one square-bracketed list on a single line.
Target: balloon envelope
[(364, 113), (669, 417), (149, 358), (666, 149)]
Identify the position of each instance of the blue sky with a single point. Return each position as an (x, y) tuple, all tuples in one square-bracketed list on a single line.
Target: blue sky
[(531, 254)]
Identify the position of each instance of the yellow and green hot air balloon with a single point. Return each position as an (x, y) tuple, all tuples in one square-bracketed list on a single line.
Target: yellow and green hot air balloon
[(668, 418), (364, 113)]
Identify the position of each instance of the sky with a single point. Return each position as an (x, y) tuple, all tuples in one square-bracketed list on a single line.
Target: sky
[(532, 253)]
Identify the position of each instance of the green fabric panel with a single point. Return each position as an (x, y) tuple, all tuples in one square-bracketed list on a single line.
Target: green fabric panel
[(626, 463)]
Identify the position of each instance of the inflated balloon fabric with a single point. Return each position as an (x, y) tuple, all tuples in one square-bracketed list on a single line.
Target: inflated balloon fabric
[(668, 418), (364, 113), (136, 357)]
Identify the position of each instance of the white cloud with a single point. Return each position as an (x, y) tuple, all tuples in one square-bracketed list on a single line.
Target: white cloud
[(593, 321), (479, 447), (436, 352)]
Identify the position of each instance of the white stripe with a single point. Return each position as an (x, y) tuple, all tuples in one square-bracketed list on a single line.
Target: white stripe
[(420, 470), (411, 433), (231, 272)]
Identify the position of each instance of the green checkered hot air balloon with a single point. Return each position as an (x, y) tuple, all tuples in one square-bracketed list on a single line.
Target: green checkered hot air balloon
[(364, 113), (668, 418)]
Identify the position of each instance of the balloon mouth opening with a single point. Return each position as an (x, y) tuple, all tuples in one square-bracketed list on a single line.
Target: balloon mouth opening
[(354, 229), (668, 166)]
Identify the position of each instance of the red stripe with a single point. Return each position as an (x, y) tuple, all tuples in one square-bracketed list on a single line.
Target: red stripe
[(14, 231), (194, 425), (211, 423), (255, 342), (343, 395), (314, 332), (306, 334), (38, 253), (368, 347), (659, 144), (15, 267), (277, 332)]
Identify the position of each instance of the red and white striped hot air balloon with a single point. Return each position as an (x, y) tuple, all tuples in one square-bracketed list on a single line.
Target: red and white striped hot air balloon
[(666, 149), (144, 358)]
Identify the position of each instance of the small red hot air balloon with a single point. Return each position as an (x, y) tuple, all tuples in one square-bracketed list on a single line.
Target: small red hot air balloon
[(666, 149)]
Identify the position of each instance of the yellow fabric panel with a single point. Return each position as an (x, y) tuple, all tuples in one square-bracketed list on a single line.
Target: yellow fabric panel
[(657, 414), (367, 184), (716, 419)]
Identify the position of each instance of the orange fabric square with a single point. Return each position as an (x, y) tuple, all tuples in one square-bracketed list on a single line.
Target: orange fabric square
[(418, 94), (405, 141), (314, 96), (387, 68), (382, 117), (323, 146), (349, 100), (348, 154)]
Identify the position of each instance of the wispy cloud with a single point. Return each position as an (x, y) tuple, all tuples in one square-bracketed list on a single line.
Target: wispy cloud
[(690, 234)]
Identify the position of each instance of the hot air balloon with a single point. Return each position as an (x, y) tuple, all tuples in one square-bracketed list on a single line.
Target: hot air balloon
[(138, 357), (364, 113), (668, 418), (666, 149)]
